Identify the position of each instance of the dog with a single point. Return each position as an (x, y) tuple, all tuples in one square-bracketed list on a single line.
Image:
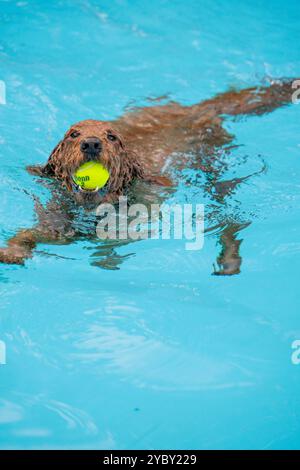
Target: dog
[(144, 145)]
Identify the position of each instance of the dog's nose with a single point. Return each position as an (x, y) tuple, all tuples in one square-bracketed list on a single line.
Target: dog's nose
[(91, 145)]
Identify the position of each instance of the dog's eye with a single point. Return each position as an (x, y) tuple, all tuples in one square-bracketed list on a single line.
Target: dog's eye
[(111, 137), (74, 134)]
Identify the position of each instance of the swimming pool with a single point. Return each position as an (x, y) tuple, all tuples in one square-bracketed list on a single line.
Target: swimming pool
[(157, 353)]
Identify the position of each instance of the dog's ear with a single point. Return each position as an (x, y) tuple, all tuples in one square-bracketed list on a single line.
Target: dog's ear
[(41, 170), (47, 170), (160, 180)]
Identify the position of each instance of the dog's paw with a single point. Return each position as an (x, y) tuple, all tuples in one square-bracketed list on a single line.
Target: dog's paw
[(227, 269), (13, 255)]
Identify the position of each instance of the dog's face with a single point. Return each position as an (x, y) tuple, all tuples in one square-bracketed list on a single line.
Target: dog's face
[(86, 141), (93, 140)]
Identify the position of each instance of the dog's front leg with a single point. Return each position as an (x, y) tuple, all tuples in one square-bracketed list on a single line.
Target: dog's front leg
[(54, 226), (19, 248)]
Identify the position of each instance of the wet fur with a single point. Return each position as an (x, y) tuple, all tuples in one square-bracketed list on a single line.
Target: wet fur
[(145, 140), (123, 164)]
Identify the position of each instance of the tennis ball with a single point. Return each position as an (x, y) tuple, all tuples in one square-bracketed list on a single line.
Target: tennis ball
[(91, 175)]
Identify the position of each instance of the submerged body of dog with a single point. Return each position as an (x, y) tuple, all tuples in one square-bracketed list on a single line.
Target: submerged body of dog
[(138, 146)]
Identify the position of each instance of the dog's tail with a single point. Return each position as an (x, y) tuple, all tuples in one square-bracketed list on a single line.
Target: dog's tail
[(256, 100)]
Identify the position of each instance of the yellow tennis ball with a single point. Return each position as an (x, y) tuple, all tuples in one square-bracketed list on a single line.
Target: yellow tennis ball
[(91, 175)]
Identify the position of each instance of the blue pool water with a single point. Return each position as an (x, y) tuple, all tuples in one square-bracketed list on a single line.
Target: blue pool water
[(157, 353)]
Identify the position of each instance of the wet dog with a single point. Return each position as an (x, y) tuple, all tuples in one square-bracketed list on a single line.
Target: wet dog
[(138, 146)]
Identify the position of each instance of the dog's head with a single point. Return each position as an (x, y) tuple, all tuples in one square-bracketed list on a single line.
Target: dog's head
[(92, 140)]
